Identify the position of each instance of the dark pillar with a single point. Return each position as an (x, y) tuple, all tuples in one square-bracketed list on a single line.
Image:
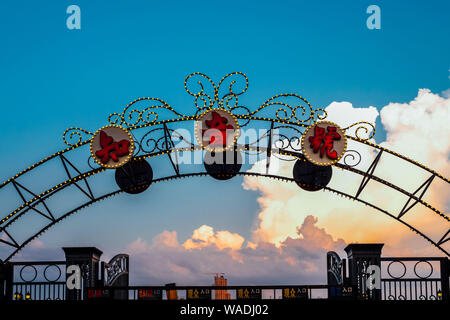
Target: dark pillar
[(6, 279), (360, 257), (445, 274), (88, 259)]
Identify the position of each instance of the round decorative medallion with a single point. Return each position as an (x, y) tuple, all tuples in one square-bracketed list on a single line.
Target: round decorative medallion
[(112, 146), (135, 176), (324, 143), (309, 176), (223, 165), (217, 130)]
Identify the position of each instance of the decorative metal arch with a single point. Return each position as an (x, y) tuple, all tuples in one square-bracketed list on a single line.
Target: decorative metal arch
[(159, 140)]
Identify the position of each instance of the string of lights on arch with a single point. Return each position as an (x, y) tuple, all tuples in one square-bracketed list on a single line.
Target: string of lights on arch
[(300, 115)]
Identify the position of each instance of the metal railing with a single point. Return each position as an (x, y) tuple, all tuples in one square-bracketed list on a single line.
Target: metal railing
[(421, 278), (43, 280)]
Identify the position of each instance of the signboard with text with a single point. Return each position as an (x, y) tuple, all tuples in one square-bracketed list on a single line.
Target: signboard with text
[(150, 294), (342, 293), (198, 294), (98, 294), (295, 293), (248, 293)]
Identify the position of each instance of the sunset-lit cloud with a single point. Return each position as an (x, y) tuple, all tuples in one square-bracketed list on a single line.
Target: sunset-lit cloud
[(294, 228), (205, 236), (300, 260), (418, 129)]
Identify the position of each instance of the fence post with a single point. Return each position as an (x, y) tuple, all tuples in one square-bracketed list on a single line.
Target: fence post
[(88, 259), (6, 280), (445, 274), (360, 257)]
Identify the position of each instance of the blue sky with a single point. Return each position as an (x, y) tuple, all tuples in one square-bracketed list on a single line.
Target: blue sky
[(53, 78)]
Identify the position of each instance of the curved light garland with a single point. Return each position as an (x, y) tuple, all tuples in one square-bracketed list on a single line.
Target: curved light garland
[(290, 116), (200, 174)]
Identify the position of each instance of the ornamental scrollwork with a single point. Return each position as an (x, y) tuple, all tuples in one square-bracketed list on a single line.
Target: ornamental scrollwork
[(147, 115), (290, 111), (115, 268), (363, 130), (74, 136)]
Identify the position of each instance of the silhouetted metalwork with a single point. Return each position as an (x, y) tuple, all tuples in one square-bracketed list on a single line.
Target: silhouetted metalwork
[(18, 246), (152, 122), (309, 176), (41, 280), (135, 176), (223, 165), (401, 278), (336, 269), (116, 268), (407, 285)]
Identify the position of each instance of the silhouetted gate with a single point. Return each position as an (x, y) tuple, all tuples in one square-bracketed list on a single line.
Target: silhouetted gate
[(363, 275), (389, 278), (46, 280)]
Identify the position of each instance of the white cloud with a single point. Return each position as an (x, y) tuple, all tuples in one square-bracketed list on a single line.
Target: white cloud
[(446, 93), (418, 129)]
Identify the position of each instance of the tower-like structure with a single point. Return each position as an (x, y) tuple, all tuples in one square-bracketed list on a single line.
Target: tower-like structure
[(171, 294), (221, 281)]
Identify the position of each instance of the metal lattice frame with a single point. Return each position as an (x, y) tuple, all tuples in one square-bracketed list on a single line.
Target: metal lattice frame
[(286, 117)]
